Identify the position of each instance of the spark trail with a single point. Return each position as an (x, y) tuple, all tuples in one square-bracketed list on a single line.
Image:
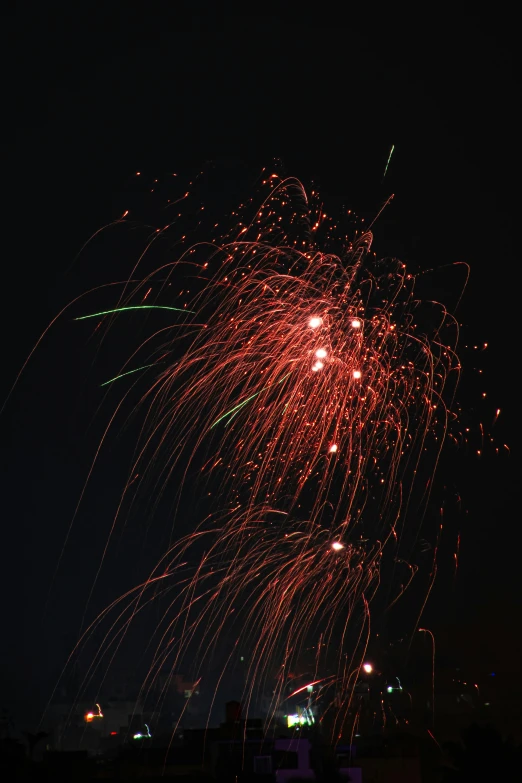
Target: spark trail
[(388, 161), (124, 374), (134, 307)]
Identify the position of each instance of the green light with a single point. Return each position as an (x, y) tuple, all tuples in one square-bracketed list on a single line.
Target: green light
[(123, 374), (297, 720), (133, 307), (235, 410), (388, 161)]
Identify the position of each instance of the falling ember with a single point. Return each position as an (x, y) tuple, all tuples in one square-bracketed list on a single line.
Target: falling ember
[(368, 668), (321, 353), (314, 322), (357, 374), (355, 324), (337, 546), (333, 448), (317, 366)]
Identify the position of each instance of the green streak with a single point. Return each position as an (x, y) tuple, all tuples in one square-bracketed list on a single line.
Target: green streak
[(123, 374), (235, 410), (133, 307), (388, 161)]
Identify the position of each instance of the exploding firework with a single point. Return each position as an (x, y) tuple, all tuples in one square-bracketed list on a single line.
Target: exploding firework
[(307, 381)]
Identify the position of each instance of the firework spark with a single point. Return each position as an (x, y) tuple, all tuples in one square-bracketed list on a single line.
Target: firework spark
[(124, 374), (388, 161), (135, 307)]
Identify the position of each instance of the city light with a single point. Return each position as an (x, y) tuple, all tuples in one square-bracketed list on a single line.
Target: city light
[(300, 719), (89, 717), (140, 735)]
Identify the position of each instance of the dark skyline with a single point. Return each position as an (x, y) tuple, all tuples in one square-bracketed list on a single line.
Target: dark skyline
[(95, 95)]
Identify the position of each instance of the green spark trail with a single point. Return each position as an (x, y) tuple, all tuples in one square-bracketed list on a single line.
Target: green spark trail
[(133, 307), (235, 410), (388, 161), (123, 374)]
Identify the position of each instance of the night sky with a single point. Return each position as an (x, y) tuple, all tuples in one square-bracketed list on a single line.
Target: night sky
[(94, 93)]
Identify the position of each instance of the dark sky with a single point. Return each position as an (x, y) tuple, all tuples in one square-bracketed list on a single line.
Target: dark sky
[(94, 92)]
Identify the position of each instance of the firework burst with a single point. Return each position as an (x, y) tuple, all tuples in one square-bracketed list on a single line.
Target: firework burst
[(308, 381)]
